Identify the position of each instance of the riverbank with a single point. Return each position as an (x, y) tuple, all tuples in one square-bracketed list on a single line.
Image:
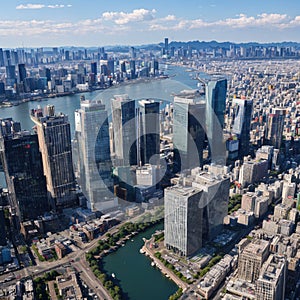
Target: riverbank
[(41, 97), (111, 244)]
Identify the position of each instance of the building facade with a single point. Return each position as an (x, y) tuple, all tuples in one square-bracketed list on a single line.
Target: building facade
[(54, 137)]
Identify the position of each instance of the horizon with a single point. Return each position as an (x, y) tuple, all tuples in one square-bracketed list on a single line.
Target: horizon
[(28, 24)]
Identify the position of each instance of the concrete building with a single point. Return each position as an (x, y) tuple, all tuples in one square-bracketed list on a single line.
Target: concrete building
[(275, 125), (252, 171), (272, 279), (183, 232), (54, 137), (194, 211), (252, 255)]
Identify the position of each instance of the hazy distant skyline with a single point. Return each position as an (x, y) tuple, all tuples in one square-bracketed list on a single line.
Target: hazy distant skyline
[(51, 23)]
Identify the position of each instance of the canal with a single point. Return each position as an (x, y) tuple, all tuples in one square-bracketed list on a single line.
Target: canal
[(137, 278)]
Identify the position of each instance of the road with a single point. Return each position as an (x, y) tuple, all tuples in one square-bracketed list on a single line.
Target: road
[(76, 259)]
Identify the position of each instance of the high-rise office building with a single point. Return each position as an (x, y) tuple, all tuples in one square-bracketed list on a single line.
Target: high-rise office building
[(124, 126), (22, 164), (166, 45), (10, 75), (94, 68), (54, 137), (252, 255), (3, 234), (1, 58), (148, 135), (7, 58), (215, 108), (242, 123), (275, 124), (93, 163), (22, 73), (188, 131), (194, 211), (183, 217)]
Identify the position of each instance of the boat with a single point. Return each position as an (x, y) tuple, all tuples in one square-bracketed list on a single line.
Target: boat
[(113, 275), (153, 264)]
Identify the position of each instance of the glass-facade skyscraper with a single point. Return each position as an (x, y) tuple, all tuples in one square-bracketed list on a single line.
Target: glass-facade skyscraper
[(215, 109), (149, 139), (242, 124), (124, 127), (93, 162), (188, 131), (22, 164)]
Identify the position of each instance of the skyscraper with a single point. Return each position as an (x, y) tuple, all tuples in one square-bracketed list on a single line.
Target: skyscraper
[(275, 124), (22, 164), (149, 138), (242, 123), (1, 58), (93, 164), (215, 108), (3, 241), (124, 126), (22, 72), (10, 75), (183, 217), (54, 137), (188, 131), (194, 211), (94, 68)]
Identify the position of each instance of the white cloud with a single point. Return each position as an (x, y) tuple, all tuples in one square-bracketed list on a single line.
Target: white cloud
[(137, 15), (40, 6), (30, 6)]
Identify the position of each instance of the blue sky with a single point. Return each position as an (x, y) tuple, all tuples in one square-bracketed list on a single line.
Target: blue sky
[(34, 23)]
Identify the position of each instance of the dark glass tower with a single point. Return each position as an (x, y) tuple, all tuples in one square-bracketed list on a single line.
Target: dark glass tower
[(124, 125), (55, 144), (242, 113), (149, 140), (188, 132), (215, 108), (22, 164)]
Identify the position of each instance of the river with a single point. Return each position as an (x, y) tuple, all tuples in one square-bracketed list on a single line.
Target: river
[(138, 279)]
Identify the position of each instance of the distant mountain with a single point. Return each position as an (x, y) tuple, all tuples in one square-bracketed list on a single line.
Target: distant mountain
[(226, 45)]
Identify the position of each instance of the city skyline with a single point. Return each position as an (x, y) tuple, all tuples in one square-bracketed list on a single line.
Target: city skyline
[(70, 23)]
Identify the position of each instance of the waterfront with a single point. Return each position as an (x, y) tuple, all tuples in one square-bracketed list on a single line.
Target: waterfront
[(133, 269), (156, 88)]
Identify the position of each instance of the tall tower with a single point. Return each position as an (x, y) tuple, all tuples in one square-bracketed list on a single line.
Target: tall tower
[(194, 211), (149, 135), (124, 126), (22, 164), (22, 72), (54, 137), (93, 164), (215, 109), (242, 123), (275, 124), (188, 132)]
